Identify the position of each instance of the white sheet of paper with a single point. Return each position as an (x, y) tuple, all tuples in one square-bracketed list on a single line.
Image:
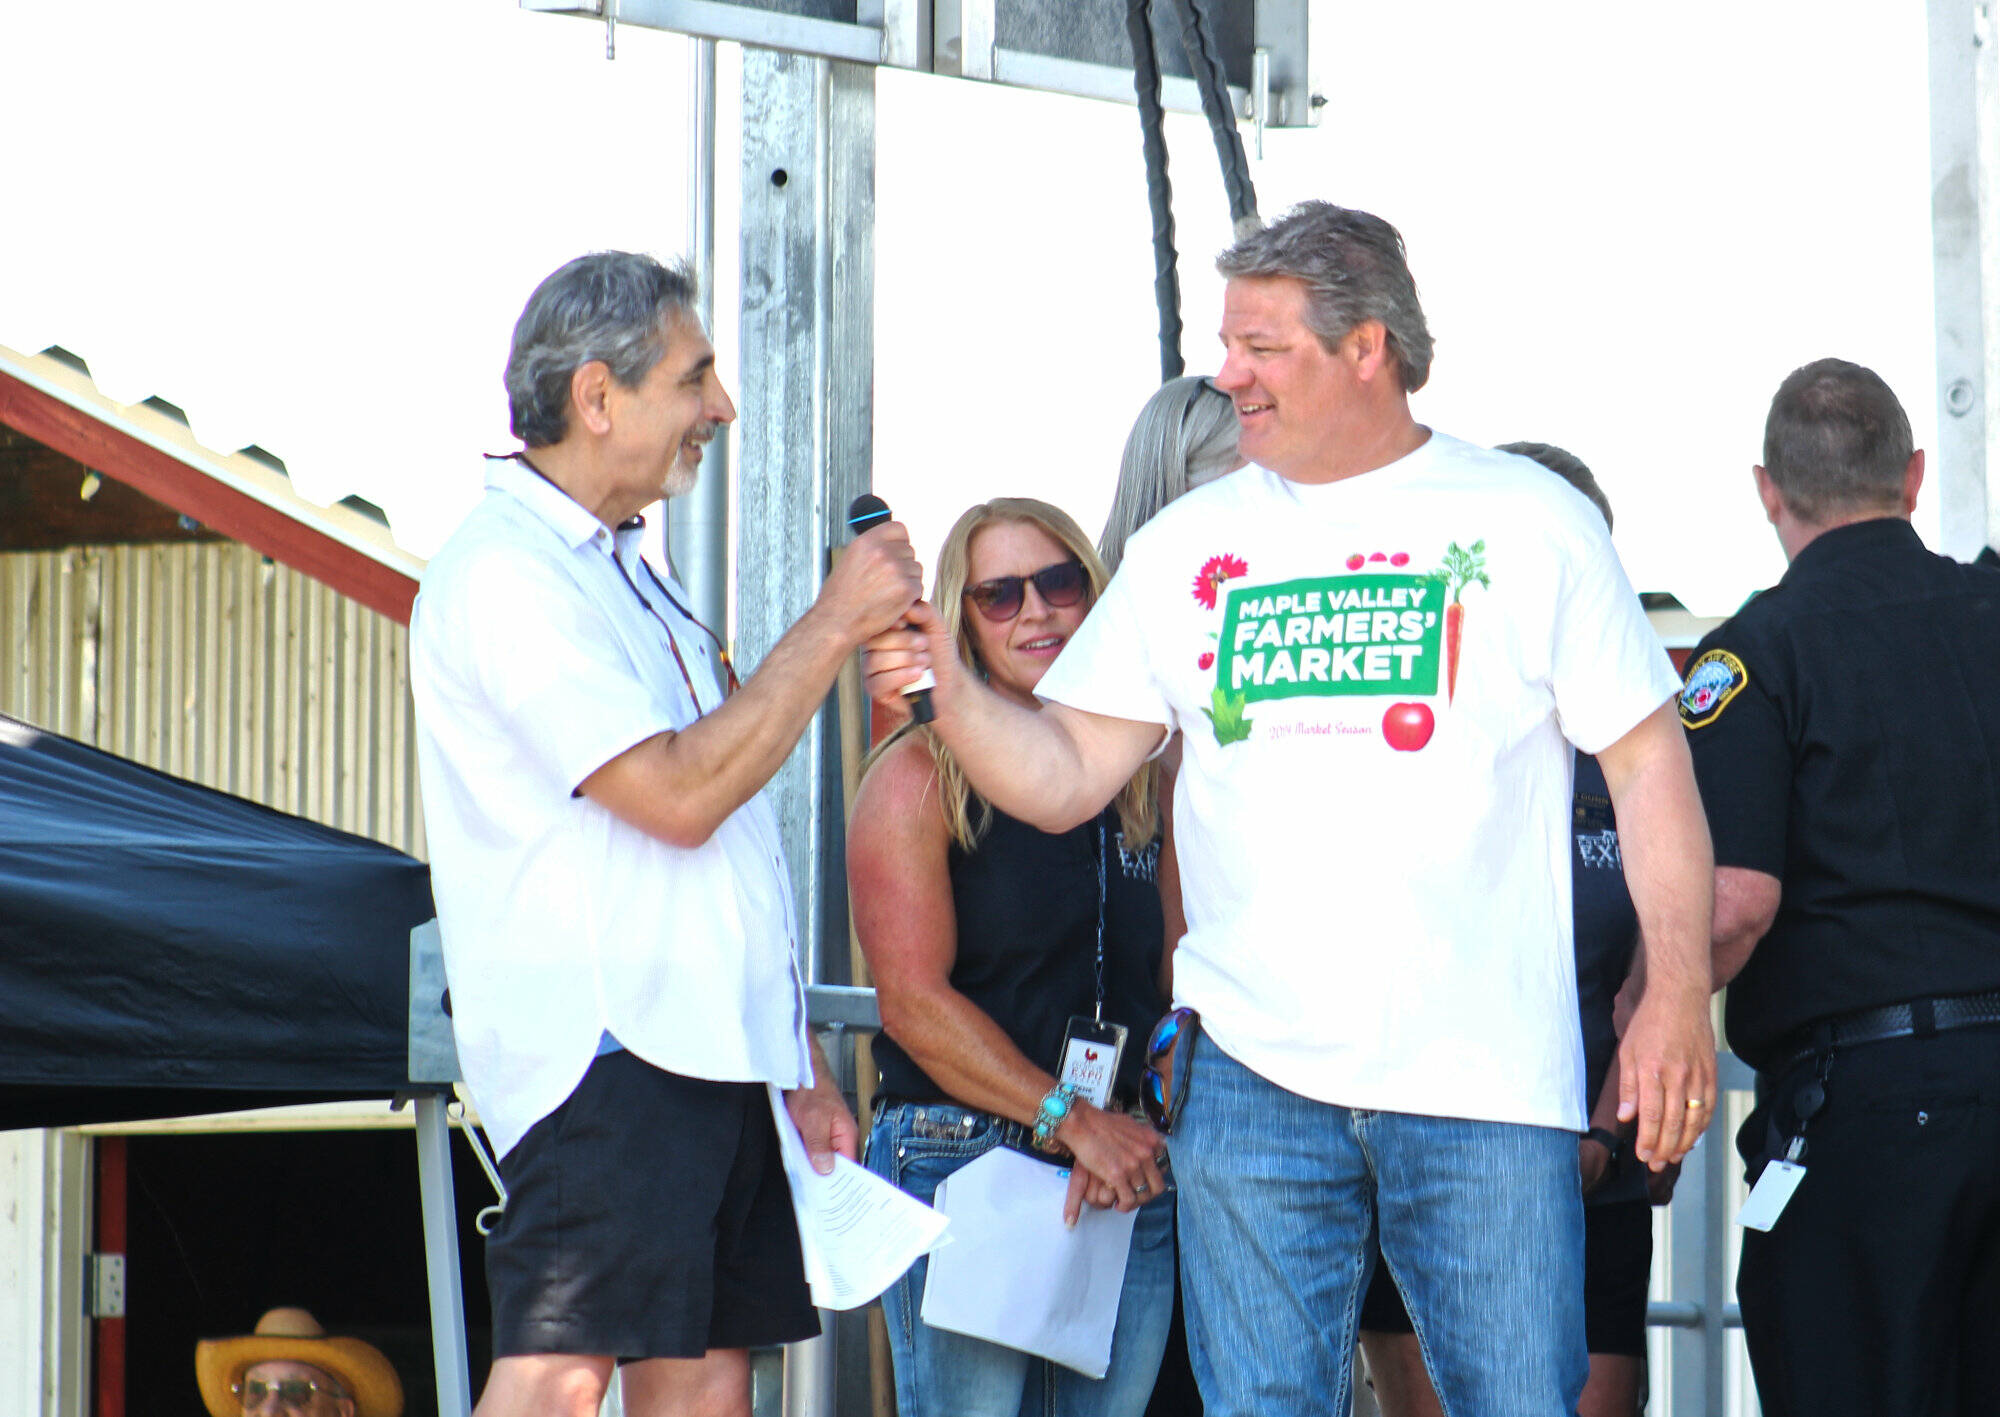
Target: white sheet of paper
[(1014, 1274), (858, 1232), (1769, 1197)]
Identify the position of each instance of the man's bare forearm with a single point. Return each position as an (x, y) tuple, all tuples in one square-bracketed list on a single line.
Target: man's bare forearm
[(1051, 767), (1667, 1057), (1026, 763), (724, 759), (1669, 860), (682, 786)]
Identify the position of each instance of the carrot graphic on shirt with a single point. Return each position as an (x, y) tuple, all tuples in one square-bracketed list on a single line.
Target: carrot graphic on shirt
[(1462, 566)]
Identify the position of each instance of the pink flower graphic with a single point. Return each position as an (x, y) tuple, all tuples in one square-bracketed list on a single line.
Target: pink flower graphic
[(1214, 571)]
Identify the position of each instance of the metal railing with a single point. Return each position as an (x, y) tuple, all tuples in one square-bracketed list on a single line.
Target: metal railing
[(1695, 1378)]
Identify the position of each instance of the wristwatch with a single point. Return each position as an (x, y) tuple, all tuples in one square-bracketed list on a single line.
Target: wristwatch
[(1612, 1143)]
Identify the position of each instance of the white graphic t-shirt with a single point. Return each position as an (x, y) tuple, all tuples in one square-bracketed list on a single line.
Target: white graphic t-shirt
[(1377, 682)]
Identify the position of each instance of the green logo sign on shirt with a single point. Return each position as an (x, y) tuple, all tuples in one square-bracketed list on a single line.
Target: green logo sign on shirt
[(1331, 635)]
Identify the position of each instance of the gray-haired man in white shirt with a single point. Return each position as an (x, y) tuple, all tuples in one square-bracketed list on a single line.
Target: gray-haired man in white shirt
[(611, 888)]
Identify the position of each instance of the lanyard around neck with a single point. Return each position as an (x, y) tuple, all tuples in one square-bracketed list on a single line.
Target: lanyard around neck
[(721, 649), (1101, 852), (732, 683), (673, 641)]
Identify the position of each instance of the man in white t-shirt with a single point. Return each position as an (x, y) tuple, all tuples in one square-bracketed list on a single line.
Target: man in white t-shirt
[(1379, 645), (611, 888)]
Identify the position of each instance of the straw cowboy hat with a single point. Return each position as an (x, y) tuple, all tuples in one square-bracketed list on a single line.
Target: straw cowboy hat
[(295, 1335)]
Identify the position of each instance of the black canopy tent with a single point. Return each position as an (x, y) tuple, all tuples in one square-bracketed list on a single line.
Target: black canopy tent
[(168, 950)]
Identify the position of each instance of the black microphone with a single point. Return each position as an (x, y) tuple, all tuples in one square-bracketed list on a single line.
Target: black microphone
[(865, 513)]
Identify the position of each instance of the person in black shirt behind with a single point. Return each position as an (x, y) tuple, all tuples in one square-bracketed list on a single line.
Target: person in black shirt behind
[(1846, 734)]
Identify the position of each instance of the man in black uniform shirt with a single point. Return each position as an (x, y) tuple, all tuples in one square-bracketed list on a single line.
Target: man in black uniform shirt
[(1846, 734)]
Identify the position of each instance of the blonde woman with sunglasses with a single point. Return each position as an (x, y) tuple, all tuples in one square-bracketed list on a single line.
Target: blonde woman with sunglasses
[(986, 937)]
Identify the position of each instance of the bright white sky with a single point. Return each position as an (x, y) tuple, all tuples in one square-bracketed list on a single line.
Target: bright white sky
[(312, 227)]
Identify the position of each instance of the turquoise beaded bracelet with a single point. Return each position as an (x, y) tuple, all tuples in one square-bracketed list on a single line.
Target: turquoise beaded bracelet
[(1059, 1102)]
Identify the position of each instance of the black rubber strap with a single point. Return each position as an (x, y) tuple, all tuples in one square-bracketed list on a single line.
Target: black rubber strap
[(1159, 190), (1205, 62)]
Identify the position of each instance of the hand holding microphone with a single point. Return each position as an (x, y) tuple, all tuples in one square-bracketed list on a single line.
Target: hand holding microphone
[(864, 514)]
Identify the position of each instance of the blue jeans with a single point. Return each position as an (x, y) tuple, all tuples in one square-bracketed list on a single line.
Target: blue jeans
[(1282, 1201), (941, 1374)]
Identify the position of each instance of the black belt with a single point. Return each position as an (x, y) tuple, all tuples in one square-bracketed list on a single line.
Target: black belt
[(1920, 1018)]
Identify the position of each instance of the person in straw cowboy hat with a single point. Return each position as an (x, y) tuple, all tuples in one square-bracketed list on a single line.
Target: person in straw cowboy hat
[(291, 1364)]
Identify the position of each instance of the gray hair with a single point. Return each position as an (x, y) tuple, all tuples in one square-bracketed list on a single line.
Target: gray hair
[(1569, 467), (610, 307), (1353, 268), (1184, 436), (1837, 441)]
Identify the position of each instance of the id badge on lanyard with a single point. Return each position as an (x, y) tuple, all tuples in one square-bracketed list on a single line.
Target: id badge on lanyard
[(1090, 1053), (1092, 1047)]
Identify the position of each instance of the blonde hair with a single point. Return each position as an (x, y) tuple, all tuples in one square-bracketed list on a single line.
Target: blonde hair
[(1185, 433), (966, 814)]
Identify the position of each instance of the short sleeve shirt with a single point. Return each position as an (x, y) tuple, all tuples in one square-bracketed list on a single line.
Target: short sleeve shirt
[(1378, 682), (542, 647), (1845, 727)]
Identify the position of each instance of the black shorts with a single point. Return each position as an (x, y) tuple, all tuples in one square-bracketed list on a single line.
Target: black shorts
[(1617, 1276), (647, 1217)]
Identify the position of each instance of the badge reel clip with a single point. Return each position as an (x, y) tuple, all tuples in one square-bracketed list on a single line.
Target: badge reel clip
[(1782, 1175)]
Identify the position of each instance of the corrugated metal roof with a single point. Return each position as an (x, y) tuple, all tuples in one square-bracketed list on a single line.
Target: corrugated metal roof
[(352, 522)]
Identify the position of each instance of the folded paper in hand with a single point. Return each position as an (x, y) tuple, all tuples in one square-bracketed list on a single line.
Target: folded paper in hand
[(1014, 1274), (858, 1233)]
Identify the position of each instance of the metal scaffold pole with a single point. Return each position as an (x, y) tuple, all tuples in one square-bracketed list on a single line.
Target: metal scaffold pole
[(1965, 232), (698, 523), (804, 447)]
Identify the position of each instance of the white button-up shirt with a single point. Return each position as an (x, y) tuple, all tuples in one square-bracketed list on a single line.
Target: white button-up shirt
[(541, 648)]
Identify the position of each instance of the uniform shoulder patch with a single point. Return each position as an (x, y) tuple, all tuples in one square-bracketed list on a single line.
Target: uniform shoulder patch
[(1712, 681)]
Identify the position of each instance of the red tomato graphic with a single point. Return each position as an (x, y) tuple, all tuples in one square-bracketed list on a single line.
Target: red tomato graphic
[(1401, 558), (1207, 661), (1407, 727), (1355, 562)]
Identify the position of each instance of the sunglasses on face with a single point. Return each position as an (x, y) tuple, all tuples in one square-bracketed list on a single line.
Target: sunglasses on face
[(1000, 599), (1157, 1092), (290, 1392)]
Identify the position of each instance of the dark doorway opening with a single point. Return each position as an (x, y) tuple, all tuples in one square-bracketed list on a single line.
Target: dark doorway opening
[(222, 1226)]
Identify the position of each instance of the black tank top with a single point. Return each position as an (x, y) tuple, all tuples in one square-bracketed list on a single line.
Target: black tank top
[(1026, 903)]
